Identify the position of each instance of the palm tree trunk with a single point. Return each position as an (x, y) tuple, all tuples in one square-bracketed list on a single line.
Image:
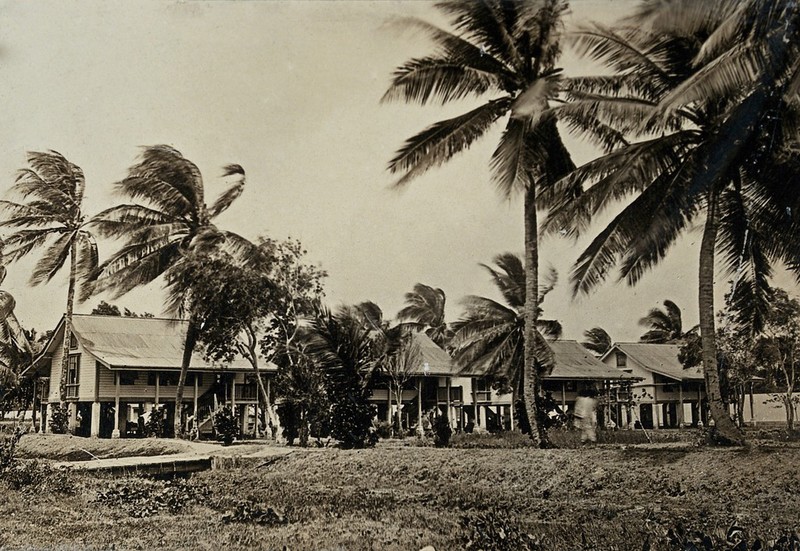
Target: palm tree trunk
[(530, 376), (188, 348), (726, 430), (73, 269)]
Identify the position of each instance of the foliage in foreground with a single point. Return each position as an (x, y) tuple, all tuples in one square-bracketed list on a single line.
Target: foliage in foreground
[(140, 497)]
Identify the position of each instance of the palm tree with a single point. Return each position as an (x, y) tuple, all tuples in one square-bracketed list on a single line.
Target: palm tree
[(167, 235), (692, 160), (490, 336), (51, 216), (665, 325), (504, 51), (597, 340), (425, 307)]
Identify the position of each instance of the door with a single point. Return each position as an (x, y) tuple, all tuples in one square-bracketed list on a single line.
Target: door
[(646, 415)]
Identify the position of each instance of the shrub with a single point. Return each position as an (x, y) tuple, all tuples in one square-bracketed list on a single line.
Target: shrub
[(140, 497), (156, 425), (383, 429), (735, 539), (225, 425), (8, 448), (250, 511), (36, 477), (493, 531), (59, 419), (351, 423), (442, 432)]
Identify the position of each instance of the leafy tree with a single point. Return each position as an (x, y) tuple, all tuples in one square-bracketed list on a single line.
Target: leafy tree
[(490, 336), (305, 406), (106, 309), (665, 325), (425, 307), (52, 189), (172, 225), (505, 51), (705, 146), (344, 350), (597, 340)]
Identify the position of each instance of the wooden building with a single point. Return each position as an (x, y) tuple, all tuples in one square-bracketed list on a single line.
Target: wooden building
[(120, 368)]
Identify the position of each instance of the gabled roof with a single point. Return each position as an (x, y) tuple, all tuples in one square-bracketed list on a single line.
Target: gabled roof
[(658, 358), (437, 360), (138, 343), (573, 361)]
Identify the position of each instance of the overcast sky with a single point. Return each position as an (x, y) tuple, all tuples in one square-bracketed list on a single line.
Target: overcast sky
[(291, 91)]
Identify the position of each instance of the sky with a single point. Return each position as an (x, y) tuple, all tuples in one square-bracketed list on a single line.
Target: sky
[(291, 91)]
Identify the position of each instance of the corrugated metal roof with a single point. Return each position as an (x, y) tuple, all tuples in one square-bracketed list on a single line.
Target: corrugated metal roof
[(661, 359), (143, 343), (574, 362)]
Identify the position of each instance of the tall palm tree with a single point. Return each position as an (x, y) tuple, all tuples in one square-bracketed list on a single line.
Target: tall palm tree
[(665, 325), (165, 235), (692, 159), (425, 307), (490, 336), (597, 340), (50, 215), (504, 52)]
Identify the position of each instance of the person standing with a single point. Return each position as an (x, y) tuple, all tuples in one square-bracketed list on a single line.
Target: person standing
[(585, 416)]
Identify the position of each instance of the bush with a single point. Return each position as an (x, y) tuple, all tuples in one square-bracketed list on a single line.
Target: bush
[(59, 419), (351, 423), (491, 531), (156, 425), (8, 448), (140, 497), (34, 477), (442, 432), (735, 539), (383, 429), (250, 511), (225, 425)]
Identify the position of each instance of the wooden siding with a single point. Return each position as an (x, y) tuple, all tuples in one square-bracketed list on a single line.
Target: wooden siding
[(86, 373)]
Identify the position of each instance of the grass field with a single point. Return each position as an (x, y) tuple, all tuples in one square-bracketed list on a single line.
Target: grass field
[(401, 497)]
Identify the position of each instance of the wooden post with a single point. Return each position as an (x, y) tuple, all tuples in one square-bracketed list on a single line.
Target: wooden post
[(116, 434), (33, 404), (449, 404), (196, 420), (389, 402), (233, 393), (420, 429), (511, 411), (158, 388), (680, 405), (475, 401), (564, 396), (656, 412), (700, 405)]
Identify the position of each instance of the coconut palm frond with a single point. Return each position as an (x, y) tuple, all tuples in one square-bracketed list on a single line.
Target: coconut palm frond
[(509, 278), (439, 142), (597, 340), (33, 214), (234, 192), (22, 242), (52, 259), (440, 79), (122, 220)]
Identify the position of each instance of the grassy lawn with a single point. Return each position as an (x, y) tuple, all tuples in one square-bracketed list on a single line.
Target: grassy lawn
[(403, 497), (64, 447)]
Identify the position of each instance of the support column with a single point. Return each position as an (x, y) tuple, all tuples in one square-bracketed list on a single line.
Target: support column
[(511, 412), (158, 388), (233, 393), (389, 403), (449, 404), (196, 420), (245, 410), (656, 407), (563, 396), (700, 421), (95, 430), (115, 433), (752, 411), (680, 405), (475, 402), (420, 429)]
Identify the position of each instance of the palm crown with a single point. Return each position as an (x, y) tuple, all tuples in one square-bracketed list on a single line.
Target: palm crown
[(489, 337), (173, 221)]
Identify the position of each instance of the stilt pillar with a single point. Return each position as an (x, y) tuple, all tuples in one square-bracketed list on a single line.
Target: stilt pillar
[(115, 433), (95, 430)]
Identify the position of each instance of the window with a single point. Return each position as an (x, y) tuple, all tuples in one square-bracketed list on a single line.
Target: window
[(73, 341), (622, 360), (151, 378), (169, 378), (190, 377), (128, 378), (73, 371)]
